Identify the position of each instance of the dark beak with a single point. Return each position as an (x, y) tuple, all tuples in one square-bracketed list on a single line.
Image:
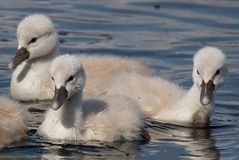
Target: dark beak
[(207, 92), (22, 54), (59, 98)]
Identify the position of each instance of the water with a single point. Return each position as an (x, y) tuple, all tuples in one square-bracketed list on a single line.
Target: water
[(164, 35)]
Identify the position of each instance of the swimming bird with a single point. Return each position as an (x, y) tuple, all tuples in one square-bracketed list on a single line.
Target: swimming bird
[(72, 117), (164, 101), (12, 126), (37, 45)]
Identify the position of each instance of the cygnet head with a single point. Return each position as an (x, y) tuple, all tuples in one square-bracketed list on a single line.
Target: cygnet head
[(36, 37), (209, 72), (68, 75)]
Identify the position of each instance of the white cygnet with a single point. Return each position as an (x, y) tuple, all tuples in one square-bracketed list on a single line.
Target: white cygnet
[(72, 117), (164, 101), (37, 46)]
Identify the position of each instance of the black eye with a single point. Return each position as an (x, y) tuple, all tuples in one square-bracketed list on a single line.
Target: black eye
[(198, 72), (52, 78), (70, 78), (33, 40), (217, 72)]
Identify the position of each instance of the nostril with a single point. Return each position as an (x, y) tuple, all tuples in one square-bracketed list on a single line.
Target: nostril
[(210, 86), (217, 72), (202, 84)]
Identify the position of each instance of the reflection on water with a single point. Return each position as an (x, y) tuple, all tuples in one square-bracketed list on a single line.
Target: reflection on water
[(119, 151), (196, 141), (164, 34)]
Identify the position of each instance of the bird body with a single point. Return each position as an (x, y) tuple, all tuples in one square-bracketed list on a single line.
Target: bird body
[(72, 117), (164, 101), (12, 126), (37, 46)]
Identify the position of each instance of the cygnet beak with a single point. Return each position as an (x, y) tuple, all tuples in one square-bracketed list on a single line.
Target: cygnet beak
[(22, 54), (207, 92), (59, 98)]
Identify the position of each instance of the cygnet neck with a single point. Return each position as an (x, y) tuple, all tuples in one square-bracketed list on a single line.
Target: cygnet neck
[(187, 110), (191, 105), (70, 112)]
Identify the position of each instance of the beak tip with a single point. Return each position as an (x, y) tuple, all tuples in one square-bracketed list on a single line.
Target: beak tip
[(55, 106), (205, 101), (10, 65)]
